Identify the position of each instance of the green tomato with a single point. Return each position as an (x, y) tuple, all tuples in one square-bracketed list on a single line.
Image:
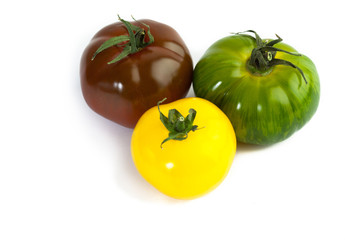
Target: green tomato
[(267, 90)]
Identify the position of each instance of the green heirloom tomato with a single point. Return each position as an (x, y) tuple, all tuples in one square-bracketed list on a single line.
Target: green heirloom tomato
[(267, 90)]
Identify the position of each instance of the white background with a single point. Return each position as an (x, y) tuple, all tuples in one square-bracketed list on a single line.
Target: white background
[(67, 173)]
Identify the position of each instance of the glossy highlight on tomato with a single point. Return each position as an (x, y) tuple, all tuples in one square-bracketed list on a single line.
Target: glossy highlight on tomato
[(196, 163), (124, 90), (266, 88)]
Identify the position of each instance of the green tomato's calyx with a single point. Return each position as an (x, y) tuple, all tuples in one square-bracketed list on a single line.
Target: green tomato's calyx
[(177, 125), (263, 58), (131, 43)]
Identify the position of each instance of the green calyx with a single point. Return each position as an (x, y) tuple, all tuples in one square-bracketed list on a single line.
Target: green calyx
[(262, 58), (131, 43), (177, 125)]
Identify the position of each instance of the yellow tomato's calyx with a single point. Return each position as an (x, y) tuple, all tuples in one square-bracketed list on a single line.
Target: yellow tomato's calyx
[(177, 125)]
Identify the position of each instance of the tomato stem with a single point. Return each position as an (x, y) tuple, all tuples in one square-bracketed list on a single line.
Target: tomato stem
[(177, 125), (131, 43), (262, 58)]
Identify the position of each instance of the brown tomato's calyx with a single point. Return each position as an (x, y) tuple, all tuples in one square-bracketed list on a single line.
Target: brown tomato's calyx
[(177, 125), (263, 58), (131, 43)]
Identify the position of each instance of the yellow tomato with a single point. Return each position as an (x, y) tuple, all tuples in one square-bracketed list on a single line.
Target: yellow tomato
[(189, 168)]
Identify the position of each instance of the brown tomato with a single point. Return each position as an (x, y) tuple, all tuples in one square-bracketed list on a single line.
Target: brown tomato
[(124, 90)]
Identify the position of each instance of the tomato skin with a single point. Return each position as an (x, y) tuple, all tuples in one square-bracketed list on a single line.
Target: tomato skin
[(124, 90), (266, 108), (189, 168)]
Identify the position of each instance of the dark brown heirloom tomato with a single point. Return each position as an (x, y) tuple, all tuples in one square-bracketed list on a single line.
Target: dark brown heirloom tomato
[(124, 90)]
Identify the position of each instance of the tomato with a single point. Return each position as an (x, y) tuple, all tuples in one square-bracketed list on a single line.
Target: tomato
[(129, 66), (189, 161), (265, 87)]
